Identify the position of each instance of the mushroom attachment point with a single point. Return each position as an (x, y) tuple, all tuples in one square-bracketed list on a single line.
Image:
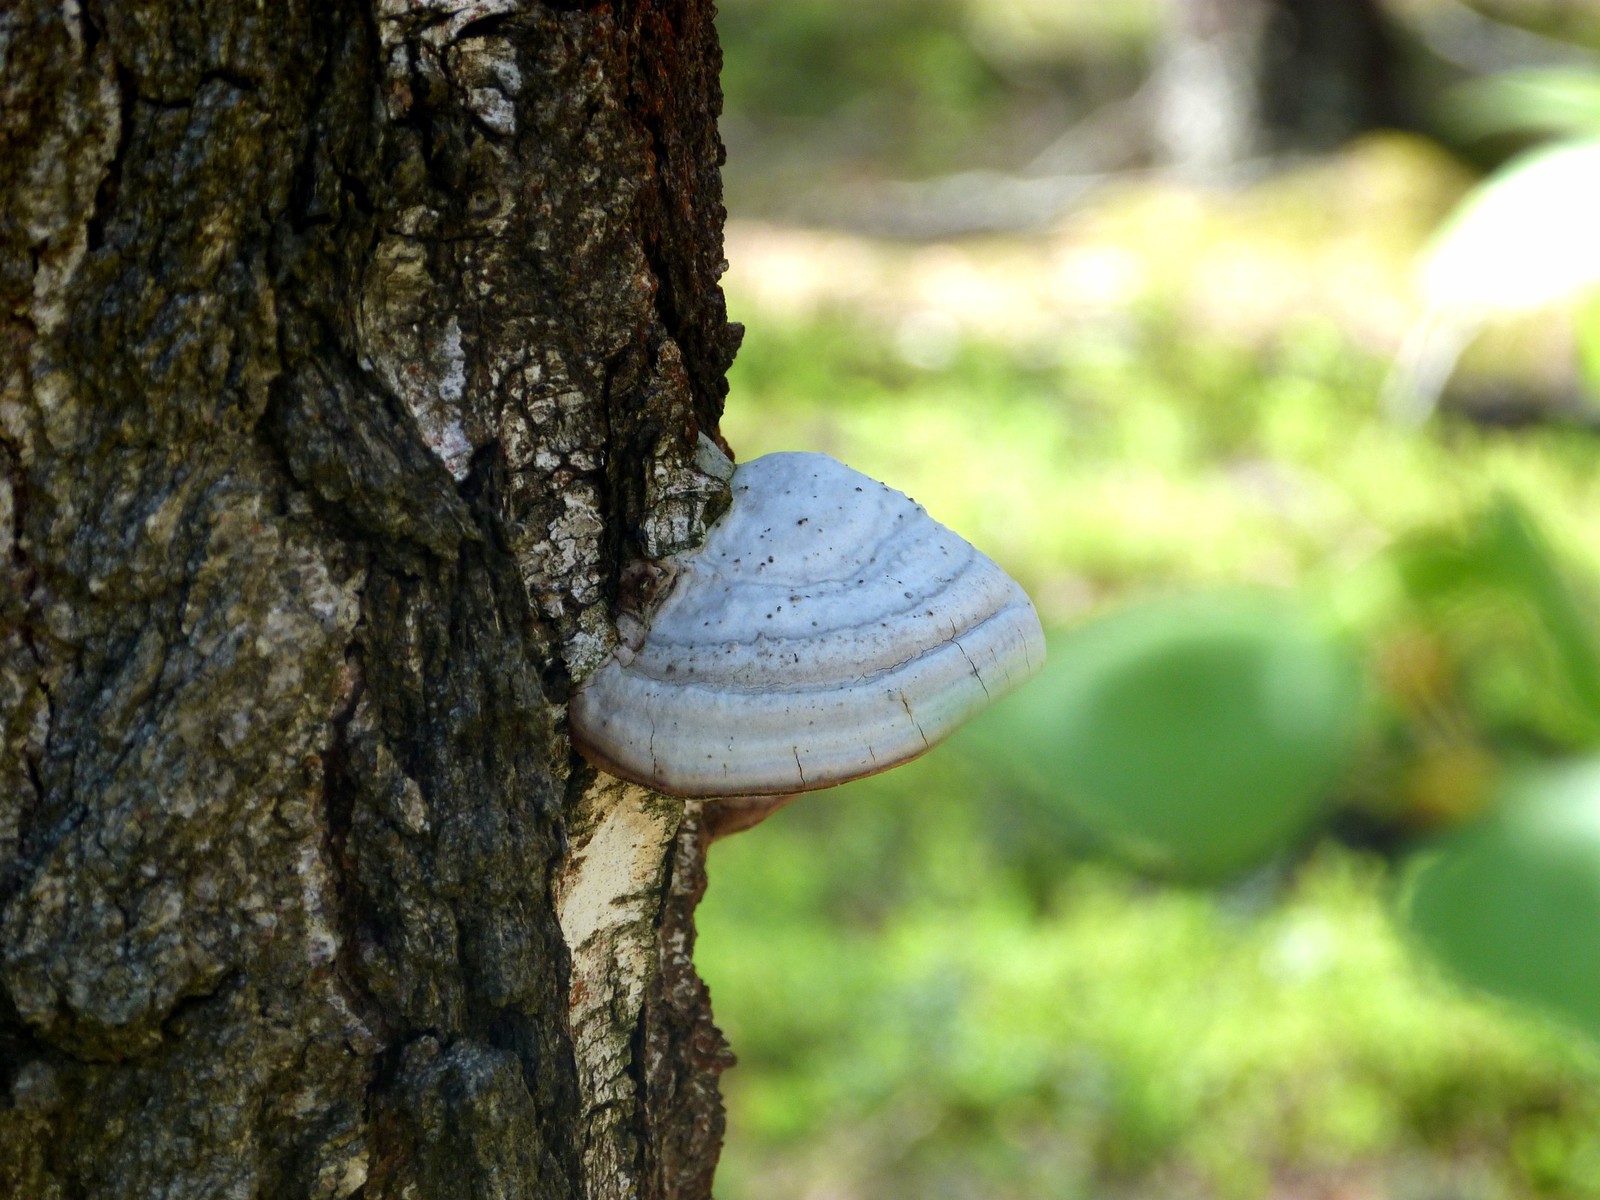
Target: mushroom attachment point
[(827, 628)]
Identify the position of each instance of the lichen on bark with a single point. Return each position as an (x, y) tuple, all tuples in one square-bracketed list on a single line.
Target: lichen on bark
[(343, 348)]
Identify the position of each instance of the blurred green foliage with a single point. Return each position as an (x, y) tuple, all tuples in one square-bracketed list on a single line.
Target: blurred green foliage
[(1198, 734), (943, 981), (1104, 1038), (910, 58), (1512, 902), (1543, 101), (934, 992), (1142, 454), (892, 85), (827, 92), (1522, 643)]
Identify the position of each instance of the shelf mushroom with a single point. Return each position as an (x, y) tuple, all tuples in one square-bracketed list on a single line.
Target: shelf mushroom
[(826, 629)]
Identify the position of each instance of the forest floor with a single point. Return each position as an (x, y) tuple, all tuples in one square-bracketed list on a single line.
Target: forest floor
[(938, 989)]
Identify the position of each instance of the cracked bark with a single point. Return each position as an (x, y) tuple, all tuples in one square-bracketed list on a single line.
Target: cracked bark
[(348, 352)]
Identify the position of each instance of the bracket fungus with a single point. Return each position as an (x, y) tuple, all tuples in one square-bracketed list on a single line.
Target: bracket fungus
[(827, 628)]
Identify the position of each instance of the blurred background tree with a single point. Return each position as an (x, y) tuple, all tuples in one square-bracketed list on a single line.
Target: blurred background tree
[(1236, 78), (1132, 295)]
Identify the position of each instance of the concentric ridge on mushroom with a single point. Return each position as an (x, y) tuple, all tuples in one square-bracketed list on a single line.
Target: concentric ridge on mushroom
[(826, 629)]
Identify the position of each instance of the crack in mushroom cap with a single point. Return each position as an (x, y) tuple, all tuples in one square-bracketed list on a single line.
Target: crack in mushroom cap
[(826, 629)]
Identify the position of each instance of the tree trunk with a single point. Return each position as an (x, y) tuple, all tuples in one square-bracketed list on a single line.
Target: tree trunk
[(347, 351), (1239, 78)]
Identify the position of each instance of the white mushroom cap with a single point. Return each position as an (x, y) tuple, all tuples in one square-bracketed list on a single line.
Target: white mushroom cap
[(827, 628)]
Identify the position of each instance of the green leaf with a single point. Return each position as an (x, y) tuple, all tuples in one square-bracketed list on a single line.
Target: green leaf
[(1544, 100), (1586, 327), (1527, 562), (1511, 904), (1197, 735)]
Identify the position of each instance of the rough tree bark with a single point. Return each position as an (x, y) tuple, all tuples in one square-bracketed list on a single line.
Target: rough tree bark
[(347, 351)]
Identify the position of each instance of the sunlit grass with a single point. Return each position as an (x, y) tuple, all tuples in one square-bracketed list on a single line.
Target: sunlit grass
[(933, 996), (1120, 1033), (935, 988), (1152, 457)]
